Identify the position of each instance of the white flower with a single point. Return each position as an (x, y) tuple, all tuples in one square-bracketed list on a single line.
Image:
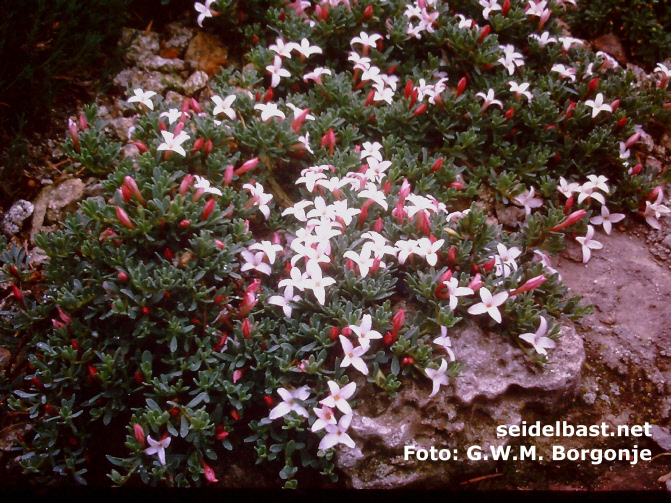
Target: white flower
[(489, 6), (324, 417), (173, 143), (285, 301), (567, 189), (438, 376), (544, 38), (254, 261), (269, 110), (489, 99), (598, 105), (204, 11), (335, 434), (429, 250), (338, 397), (520, 89), (489, 304), (158, 447), (306, 49), (364, 331), (538, 340), (444, 341), (316, 75), (316, 282), (606, 219), (277, 72), (204, 184), (143, 97), (353, 356), (289, 402), (261, 199), (224, 106), (455, 291), (528, 200), (173, 115), (268, 248), (510, 59), (366, 40), (588, 244), (282, 49), (505, 260), (653, 211), (565, 72)]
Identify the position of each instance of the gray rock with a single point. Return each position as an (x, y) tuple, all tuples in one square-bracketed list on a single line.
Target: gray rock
[(158, 82), (196, 82), (510, 216), (55, 201), (661, 437), (121, 126), (180, 36), (163, 65), (173, 98), (13, 219), (497, 384), (654, 163), (129, 150), (142, 45)]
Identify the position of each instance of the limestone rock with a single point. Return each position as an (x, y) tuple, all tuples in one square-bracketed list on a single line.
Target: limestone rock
[(13, 219), (196, 82), (160, 64), (509, 216), (142, 45), (207, 53), (54, 201), (180, 36), (496, 385)]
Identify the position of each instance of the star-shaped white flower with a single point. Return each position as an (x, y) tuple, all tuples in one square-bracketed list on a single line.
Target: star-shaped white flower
[(606, 219), (316, 282), (438, 376), (353, 356), (269, 110), (588, 244), (281, 48), (456, 291), (173, 143), (277, 72), (223, 106), (254, 261), (489, 304), (366, 40), (204, 11), (285, 300), (338, 397), (489, 6), (364, 331), (325, 417), (598, 105), (143, 97), (538, 340), (306, 49), (289, 402), (489, 99), (158, 447), (336, 434), (528, 201)]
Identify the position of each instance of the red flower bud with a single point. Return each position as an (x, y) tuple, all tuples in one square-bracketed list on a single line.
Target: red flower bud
[(74, 344), (451, 255), (413, 98), (420, 110), (228, 175), (122, 276), (398, 321), (146, 310), (14, 272), (367, 13), (438, 163), (129, 182), (197, 145), (333, 333), (408, 360), (208, 209), (269, 400), (570, 220), (621, 123), (282, 16), (247, 166), (126, 196), (386, 188), (140, 146), (388, 339), (297, 123), (461, 86), (569, 204), (346, 331), (72, 126), (409, 86), (655, 192), (167, 254), (369, 98), (185, 223), (139, 434), (221, 433), (637, 169), (195, 106), (505, 8), (139, 377), (237, 374), (235, 415), (487, 266), (592, 85), (530, 285), (483, 33), (246, 329), (456, 185), (93, 372), (510, 113), (615, 105), (161, 126), (48, 409), (378, 226), (220, 244), (208, 148), (123, 218), (18, 294), (268, 96), (82, 123), (221, 342)]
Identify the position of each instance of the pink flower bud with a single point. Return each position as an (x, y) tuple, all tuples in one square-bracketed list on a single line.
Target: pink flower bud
[(475, 283), (483, 34), (123, 218), (18, 295), (125, 194), (237, 374), (631, 141), (386, 188), (246, 329), (208, 209), (420, 110), (197, 145), (268, 96), (186, 105), (570, 220), (129, 182), (228, 175), (208, 472), (178, 128), (409, 86), (438, 163), (375, 266), (398, 321), (139, 434), (195, 106), (247, 166), (637, 169), (161, 126), (142, 148), (413, 98), (655, 192), (297, 123), (72, 126), (333, 333), (185, 184), (506, 8), (615, 105), (346, 331), (185, 223), (569, 204), (530, 285)]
